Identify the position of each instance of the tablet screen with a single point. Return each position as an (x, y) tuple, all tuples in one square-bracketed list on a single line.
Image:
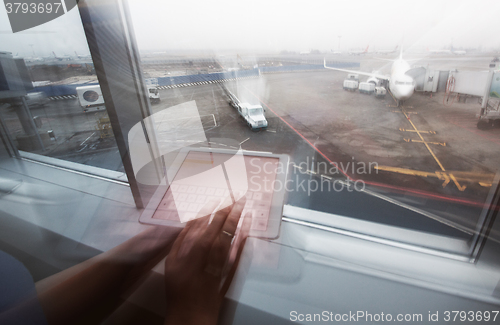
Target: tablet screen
[(211, 176)]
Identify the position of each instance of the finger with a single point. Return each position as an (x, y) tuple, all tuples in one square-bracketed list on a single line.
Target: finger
[(245, 228), (222, 242), (205, 244), (247, 224), (232, 271), (209, 208), (193, 236), (192, 227), (229, 223), (238, 248), (178, 242), (155, 244), (218, 221), (241, 235), (203, 218), (234, 216)]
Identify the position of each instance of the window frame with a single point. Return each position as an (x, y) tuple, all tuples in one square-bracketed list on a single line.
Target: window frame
[(118, 11), (110, 36)]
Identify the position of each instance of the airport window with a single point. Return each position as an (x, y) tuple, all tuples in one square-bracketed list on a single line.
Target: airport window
[(346, 149), (63, 115), (391, 156), (370, 158)]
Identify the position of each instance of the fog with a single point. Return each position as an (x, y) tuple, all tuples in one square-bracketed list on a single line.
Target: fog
[(300, 26), (273, 26), (63, 36)]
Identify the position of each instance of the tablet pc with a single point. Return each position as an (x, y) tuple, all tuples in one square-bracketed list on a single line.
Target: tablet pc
[(201, 175)]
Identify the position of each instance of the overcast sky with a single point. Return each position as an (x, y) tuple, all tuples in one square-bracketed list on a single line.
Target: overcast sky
[(302, 25), (63, 35), (263, 25)]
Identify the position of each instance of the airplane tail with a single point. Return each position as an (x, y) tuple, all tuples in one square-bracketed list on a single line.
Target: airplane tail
[(401, 52), (366, 50)]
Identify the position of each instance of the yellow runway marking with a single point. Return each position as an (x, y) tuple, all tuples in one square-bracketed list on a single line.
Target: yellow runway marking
[(441, 176), (405, 130), (412, 113), (461, 188), (482, 179), (423, 141), (444, 177), (390, 92), (419, 141)]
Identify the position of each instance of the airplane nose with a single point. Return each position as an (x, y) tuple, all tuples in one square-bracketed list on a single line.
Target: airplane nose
[(406, 93)]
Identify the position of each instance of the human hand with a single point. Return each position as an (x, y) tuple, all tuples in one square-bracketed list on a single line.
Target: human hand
[(194, 269), (67, 296)]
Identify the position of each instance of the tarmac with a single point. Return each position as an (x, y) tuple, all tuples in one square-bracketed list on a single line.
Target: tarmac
[(427, 154)]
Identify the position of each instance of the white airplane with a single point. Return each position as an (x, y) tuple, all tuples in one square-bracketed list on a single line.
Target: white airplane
[(359, 52), (458, 52), (61, 58), (401, 84), (387, 51), (28, 59), (84, 57), (443, 51), (37, 59), (448, 51)]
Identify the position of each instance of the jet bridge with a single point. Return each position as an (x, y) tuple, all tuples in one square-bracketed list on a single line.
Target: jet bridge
[(468, 82), (428, 80), (482, 84)]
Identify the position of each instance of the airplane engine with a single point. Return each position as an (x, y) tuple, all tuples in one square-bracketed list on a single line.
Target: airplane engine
[(374, 81)]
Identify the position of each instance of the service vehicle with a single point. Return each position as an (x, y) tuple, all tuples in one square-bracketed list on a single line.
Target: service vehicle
[(253, 114), (90, 98), (353, 76), (154, 94), (36, 99), (380, 92), (366, 88), (351, 85), (490, 115)]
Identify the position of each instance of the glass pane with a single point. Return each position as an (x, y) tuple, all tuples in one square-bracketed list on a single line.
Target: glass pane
[(389, 135), (65, 115)]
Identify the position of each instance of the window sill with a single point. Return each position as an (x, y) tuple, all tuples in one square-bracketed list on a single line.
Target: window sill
[(363, 253), (91, 171), (390, 235)]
